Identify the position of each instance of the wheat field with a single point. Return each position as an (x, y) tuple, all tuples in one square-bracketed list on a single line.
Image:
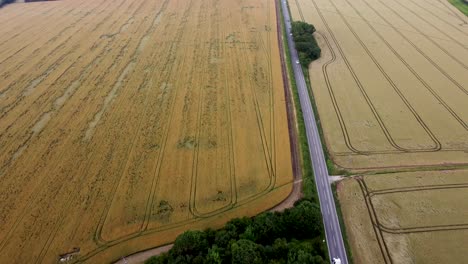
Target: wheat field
[(391, 86), (124, 123), (406, 217)]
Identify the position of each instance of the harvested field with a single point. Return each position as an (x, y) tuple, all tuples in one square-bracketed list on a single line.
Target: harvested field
[(412, 217), (124, 123), (391, 86)]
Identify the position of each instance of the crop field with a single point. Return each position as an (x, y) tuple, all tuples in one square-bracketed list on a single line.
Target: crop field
[(125, 122), (391, 86), (411, 217)]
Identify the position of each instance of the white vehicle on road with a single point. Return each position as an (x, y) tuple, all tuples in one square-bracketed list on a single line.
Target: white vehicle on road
[(297, 61), (336, 261)]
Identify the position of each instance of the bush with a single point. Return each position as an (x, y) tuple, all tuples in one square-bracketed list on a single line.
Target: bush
[(306, 45), (190, 243), (246, 252)]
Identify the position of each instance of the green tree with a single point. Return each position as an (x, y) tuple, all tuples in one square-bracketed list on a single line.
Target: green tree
[(303, 221), (246, 252), (306, 45), (266, 227), (161, 259), (213, 256), (190, 243)]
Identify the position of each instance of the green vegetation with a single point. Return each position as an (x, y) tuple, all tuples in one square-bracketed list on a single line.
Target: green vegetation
[(331, 167), (306, 45), (308, 51), (461, 5), (293, 236), (308, 183)]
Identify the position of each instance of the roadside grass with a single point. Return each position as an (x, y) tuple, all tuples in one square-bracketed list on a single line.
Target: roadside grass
[(332, 168), (342, 225), (460, 5), (309, 190), (308, 184)]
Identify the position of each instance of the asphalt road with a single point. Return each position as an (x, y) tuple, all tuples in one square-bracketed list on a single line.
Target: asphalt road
[(335, 243)]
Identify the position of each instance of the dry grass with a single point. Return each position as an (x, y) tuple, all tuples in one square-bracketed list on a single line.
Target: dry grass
[(413, 217), (124, 123), (391, 85)]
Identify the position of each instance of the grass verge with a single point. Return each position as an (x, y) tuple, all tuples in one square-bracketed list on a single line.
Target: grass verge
[(342, 225), (308, 184), (460, 5), (307, 167), (332, 168)]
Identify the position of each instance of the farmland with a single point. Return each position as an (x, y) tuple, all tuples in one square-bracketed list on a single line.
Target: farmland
[(391, 84), (411, 217), (391, 90), (124, 123)]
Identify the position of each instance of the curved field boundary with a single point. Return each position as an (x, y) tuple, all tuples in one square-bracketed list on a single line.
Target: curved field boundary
[(375, 223), (342, 124), (421, 80), (270, 156), (379, 228), (98, 232), (193, 192), (376, 115), (391, 82), (144, 232), (151, 231)]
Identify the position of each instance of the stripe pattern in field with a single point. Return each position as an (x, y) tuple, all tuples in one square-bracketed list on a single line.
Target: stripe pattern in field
[(391, 85), (412, 217), (124, 123)]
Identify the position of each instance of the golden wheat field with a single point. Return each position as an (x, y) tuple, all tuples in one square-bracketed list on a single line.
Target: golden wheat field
[(125, 122), (411, 217), (391, 86)]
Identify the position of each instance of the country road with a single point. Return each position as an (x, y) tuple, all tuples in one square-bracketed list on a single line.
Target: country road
[(335, 243)]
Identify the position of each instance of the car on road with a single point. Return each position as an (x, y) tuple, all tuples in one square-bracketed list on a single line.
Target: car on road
[(297, 61), (336, 261)]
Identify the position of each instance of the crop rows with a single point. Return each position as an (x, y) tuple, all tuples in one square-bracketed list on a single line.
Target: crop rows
[(391, 84), (411, 208), (124, 123)]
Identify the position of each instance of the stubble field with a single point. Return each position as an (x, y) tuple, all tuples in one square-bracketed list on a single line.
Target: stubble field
[(123, 123), (391, 85)]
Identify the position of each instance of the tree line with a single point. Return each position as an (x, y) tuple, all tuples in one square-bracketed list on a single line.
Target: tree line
[(294, 236), (306, 45)]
